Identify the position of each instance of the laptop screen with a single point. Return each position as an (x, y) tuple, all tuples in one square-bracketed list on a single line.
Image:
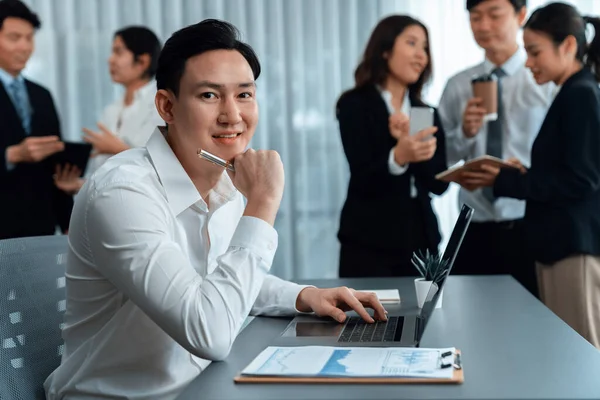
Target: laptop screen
[(458, 234)]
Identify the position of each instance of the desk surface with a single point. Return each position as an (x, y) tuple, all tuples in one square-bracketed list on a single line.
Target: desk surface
[(513, 348)]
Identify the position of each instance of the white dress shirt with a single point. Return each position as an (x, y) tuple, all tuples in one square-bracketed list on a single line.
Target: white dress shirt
[(393, 167), (133, 123), (158, 282), (525, 106)]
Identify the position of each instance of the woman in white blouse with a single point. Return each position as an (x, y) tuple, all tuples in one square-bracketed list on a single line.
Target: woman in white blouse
[(130, 120)]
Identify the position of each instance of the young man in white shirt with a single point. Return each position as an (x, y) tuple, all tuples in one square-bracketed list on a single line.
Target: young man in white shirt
[(494, 243), (165, 260)]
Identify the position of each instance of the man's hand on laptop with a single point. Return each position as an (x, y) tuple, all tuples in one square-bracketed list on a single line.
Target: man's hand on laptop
[(335, 302)]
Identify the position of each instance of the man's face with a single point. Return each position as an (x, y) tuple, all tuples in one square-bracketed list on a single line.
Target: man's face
[(16, 44), (495, 24), (216, 109)]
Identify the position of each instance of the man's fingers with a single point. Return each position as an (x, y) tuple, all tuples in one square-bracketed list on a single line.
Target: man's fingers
[(43, 139), (352, 302), (476, 111), (369, 299)]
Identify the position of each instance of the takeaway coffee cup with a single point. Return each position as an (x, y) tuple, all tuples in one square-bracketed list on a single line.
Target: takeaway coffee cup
[(486, 88)]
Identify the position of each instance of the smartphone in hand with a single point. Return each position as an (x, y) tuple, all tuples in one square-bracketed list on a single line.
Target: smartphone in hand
[(420, 118)]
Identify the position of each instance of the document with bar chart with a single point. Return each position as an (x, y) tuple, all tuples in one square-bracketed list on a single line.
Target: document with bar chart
[(357, 362)]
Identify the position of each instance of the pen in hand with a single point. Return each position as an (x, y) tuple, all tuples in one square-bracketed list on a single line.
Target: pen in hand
[(215, 160)]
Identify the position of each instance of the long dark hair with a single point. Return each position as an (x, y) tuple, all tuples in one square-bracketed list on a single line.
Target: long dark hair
[(559, 20), (373, 68)]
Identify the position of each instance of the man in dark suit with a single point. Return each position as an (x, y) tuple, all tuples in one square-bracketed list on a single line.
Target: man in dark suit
[(30, 203)]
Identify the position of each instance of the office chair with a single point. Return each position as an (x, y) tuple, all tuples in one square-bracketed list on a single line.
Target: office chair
[(32, 304)]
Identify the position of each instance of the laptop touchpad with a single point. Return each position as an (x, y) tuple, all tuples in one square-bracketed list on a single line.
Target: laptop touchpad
[(313, 329)]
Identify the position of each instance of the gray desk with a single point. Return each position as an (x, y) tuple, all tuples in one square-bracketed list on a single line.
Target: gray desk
[(513, 348)]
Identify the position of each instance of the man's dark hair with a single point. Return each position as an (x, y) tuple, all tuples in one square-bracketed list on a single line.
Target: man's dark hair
[(141, 40), (194, 40), (517, 4), (17, 9)]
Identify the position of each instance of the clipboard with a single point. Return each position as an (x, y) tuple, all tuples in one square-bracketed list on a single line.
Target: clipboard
[(452, 174), (457, 378)]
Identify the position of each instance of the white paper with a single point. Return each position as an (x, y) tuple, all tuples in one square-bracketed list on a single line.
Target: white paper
[(326, 361), (386, 296)]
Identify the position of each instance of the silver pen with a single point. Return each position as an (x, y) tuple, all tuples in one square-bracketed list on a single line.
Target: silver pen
[(215, 160)]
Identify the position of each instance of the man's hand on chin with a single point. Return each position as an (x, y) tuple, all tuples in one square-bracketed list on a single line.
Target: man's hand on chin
[(335, 302)]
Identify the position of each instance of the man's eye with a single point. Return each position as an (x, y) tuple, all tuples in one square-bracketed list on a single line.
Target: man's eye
[(246, 95), (208, 95)]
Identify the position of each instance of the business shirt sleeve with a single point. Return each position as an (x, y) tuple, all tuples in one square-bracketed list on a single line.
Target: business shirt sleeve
[(426, 171), (133, 246), (277, 297), (9, 166), (393, 166), (458, 146), (578, 173)]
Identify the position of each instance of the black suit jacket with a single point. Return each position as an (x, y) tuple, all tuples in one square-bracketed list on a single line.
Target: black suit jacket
[(30, 204), (562, 187), (376, 209)]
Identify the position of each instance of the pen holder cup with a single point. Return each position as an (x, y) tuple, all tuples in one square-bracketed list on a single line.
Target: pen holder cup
[(422, 289)]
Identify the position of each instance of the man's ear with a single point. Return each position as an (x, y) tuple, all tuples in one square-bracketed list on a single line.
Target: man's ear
[(521, 14), (164, 101)]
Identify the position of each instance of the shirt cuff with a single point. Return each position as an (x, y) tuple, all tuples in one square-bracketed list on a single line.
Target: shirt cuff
[(9, 166), (289, 295), (257, 236), (394, 167)]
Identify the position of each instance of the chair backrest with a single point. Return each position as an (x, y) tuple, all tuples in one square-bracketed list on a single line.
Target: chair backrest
[(32, 304)]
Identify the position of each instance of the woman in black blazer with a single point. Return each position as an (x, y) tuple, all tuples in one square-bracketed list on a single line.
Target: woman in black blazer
[(562, 187), (387, 214)]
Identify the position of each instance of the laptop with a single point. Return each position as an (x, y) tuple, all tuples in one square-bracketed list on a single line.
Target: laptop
[(397, 331)]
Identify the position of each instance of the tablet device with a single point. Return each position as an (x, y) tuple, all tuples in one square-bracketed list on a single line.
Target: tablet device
[(75, 153)]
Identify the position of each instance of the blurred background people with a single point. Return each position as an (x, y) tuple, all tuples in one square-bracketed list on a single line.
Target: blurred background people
[(494, 243), (562, 187), (387, 214), (131, 119), (30, 204)]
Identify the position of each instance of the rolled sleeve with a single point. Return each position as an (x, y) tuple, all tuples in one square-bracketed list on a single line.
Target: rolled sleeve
[(257, 236), (277, 297)]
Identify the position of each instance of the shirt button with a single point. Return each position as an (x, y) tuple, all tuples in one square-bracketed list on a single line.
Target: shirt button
[(271, 246)]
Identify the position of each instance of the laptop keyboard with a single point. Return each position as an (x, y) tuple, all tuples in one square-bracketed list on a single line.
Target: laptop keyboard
[(357, 330)]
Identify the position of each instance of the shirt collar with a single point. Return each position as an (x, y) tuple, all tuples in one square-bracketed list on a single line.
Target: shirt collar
[(179, 188), (387, 99), (7, 79), (511, 66), (145, 90)]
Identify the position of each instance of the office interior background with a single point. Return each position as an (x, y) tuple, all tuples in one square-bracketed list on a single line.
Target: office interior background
[(308, 49)]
